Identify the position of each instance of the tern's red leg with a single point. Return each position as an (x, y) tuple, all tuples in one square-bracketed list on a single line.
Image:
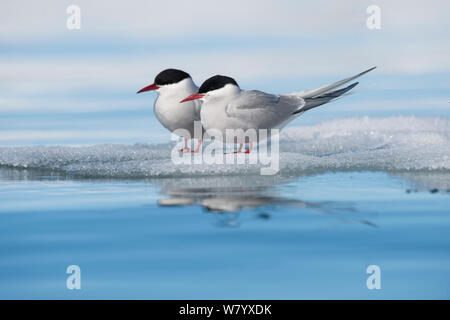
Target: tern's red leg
[(198, 146), (186, 148), (249, 148), (240, 148)]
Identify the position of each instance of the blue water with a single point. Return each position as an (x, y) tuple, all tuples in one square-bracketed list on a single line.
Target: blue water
[(307, 237)]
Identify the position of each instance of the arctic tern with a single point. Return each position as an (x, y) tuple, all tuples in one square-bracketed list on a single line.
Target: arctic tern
[(227, 106), (171, 86)]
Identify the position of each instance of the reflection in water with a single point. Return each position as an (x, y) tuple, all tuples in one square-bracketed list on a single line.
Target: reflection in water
[(7, 173), (230, 195), (433, 182), (227, 196)]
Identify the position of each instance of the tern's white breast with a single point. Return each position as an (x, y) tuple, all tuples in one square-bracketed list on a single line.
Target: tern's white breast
[(175, 115)]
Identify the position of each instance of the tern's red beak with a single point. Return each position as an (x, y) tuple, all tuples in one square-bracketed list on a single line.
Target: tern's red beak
[(193, 97), (149, 88)]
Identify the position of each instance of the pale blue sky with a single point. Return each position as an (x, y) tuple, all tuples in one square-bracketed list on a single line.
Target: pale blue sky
[(57, 83)]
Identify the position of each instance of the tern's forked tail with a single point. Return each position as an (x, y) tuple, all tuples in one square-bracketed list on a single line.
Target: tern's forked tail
[(324, 94), (311, 103)]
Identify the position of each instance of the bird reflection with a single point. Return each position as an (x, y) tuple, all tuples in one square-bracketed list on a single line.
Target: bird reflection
[(228, 196), (264, 196)]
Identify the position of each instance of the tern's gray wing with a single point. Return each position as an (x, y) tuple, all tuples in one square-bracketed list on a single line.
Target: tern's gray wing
[(263, 110)]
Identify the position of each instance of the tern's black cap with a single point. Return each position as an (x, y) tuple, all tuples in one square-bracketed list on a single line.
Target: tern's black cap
[(216, 82), (170, 76)]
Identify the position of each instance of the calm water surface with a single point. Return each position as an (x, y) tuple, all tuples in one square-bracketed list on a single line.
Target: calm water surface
[(225, 237)]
